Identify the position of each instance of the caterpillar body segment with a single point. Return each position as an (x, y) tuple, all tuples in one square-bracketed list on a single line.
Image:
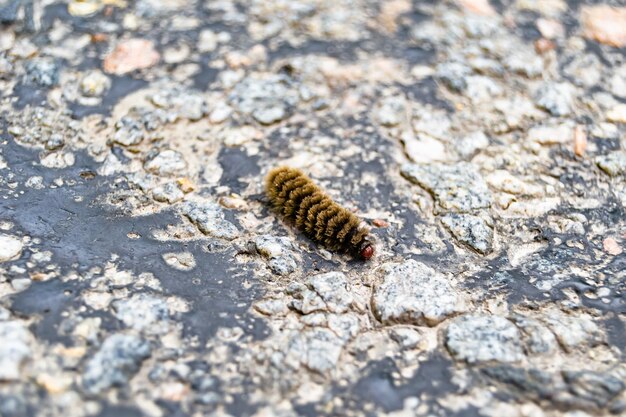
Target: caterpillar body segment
[(296, 197)]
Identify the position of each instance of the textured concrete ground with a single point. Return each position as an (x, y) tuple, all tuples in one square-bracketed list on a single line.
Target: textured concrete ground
[(142, 273)]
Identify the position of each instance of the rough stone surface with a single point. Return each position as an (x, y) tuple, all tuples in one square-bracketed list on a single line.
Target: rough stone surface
[(573, 332), (267, 100), (142, 312), (317, 349), (595, 387), (325, 292), (278, 251), (209, 218), (119, 358), (10, 247), (471, 230), (94, 84), (165, 163), (169, 192), (15, 349), (456, 187), (484, 338), (613, 164), (143, 274), (556, 98), (412, 292), (472, 143), (453, 74), (538, 339), (43, 72)]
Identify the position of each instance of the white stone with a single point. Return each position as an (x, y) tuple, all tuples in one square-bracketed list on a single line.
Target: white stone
[(14, 349), (10, 248)]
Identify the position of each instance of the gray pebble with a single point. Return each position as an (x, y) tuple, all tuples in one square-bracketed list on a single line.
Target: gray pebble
[(43, 72), (484, 338), (573, 332), (613, 164), (94, 84), (406, 337), (556, 98), (168, 193), (533, 383), (117, 360), (453, 75), (165, 163), (618, 81), (56, 141), (15, 349), (411, 292), (268, 100), (598, 388), (278, 251), (524, 62), (272, 307), (269, 115), (486, 66), (537, 338), (129, 132), (391, 112), (209, 218), (4, 313), (143, 312), (318, 349), (10, 248), (332, 288), (457, 187), (471, 230), (472, 143)]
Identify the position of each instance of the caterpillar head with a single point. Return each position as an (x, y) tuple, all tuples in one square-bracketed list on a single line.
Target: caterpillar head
[(366, 250)]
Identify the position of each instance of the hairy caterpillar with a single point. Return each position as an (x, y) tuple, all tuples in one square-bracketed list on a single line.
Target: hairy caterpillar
[(298, 199)]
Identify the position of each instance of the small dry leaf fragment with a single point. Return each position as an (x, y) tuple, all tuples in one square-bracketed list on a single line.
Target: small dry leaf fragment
[(617, 114), (131, 55), (605, 24), (543, 45), (83, 8), (174, 391), (233, 202), (380, 223), (481, 7), (580, 140), (390, 11), (611, 246), (185, 185), (549, 28), (99, 37)]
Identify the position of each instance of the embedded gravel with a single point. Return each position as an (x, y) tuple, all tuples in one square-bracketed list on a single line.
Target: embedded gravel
[(142, 272)]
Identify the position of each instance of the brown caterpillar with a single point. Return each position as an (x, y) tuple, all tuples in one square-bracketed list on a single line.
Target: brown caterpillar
[(298, 199)]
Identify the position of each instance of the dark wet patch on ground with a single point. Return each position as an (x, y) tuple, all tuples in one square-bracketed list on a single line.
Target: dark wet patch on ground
[(29, 95), (120, 411), (121, 86), (203, 79), (432, 380), (616, 332), (236, 165), (427, 92), (498, 278), (85, 234), (341, 50)]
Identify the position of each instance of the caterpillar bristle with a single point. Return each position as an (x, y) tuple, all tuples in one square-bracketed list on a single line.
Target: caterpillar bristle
[(294, 195)]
